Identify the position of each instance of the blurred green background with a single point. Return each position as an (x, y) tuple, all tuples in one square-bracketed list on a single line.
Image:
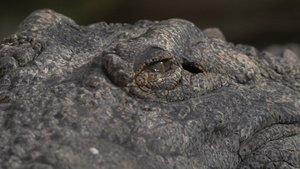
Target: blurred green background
[(256, 22)]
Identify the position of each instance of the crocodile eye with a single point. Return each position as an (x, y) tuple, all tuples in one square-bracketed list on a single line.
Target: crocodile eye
[(162, 66)]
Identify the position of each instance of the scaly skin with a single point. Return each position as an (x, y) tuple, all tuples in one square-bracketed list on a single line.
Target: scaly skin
[(149, 95), (199, 64)]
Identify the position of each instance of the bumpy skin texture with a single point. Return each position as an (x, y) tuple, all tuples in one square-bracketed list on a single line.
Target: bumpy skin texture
[(173, 60), (149, 95)]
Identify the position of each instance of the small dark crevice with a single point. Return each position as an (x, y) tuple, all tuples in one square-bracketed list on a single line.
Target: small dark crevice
[(191, 67)]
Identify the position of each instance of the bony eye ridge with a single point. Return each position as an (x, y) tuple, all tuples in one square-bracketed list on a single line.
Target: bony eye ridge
[(159, 75)]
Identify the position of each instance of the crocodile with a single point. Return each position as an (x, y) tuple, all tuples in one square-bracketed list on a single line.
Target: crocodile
[(153, 94)]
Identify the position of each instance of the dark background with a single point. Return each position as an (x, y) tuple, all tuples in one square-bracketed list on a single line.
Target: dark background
[(254, 22)]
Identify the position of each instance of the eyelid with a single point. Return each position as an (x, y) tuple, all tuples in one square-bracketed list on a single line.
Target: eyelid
[(165, 55), (159, 47)]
